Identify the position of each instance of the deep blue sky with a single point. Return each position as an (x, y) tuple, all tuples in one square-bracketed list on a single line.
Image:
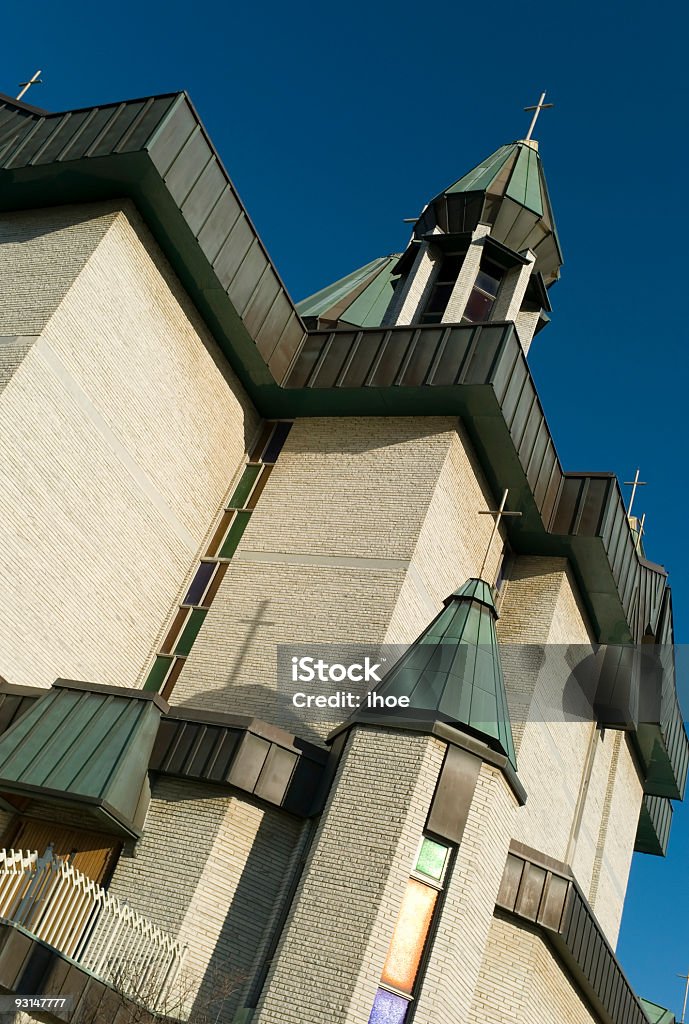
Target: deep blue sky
[(335, 122)]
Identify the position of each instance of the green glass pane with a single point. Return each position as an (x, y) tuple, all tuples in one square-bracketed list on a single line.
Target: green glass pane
[(234, 536), (243, 488), (431, 859), (156, 677), (190, 631)]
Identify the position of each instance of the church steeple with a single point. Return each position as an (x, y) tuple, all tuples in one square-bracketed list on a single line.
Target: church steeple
[(483, 250), (453, 673), (507, 191)]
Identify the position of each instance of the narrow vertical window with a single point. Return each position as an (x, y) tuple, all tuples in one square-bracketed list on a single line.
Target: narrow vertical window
[(212, 567), (442, 289), (484, 293), (400, 976)]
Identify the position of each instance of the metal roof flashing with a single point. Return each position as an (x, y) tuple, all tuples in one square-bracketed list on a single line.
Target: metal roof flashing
[(86, 747)]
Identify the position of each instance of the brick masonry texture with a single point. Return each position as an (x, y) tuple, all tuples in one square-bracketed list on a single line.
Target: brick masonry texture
[(103, 505), (42, 252), (211, 869), (586, 813), (522, 981), (337, 935), (407, 300), (466, 279), (364, 527), (467, 911)]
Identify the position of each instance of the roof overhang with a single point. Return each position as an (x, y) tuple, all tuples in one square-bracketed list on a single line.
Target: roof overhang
[(155, 151), (83, 747)]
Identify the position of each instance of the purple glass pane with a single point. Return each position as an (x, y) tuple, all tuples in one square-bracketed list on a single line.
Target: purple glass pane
[(199, 583), (276, 442), (388, 1008)]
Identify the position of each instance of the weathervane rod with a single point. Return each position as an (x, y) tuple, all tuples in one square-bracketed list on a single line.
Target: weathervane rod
[(27, 85), (537, 108)]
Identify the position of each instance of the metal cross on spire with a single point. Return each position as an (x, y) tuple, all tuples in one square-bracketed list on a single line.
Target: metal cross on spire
[(537, 108), (633, 484), (497, 516), (35, 80), (640, 525)]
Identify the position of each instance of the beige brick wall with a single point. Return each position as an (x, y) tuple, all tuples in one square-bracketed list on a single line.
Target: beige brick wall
[(466, 279), (103, 504), (512, 290), (42, 252), (365, 526), (211, 868), (467, 915), (522, 981), (451, 544), (541, 607), (616, 840), (526, 324), (336, 939), (12, 352), (584, 793), (404, 305)]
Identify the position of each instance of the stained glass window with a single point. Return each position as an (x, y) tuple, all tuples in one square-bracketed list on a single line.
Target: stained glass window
[(168, 644), (239, 525), (409, 936), (388, 1008), (190, 632), (210, 572), (243, 488), (276, 442), (158, 674), (432, 858), (400, 973), (199, 583)]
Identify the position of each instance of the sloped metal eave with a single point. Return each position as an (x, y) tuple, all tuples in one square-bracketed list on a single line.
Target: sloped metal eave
[(106, 815)]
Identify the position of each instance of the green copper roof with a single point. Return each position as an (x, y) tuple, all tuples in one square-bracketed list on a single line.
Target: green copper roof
[(454, 672), (508, 191), (514, 171), (657, 1014), (479, 178), (87, 748), (360, 298)]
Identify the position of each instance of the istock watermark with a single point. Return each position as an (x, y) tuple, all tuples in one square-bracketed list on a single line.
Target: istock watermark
[(618, 686), (308, 669)]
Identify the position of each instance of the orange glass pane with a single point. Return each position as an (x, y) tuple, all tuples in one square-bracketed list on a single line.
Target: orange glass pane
[(409, 936), (219, 535)]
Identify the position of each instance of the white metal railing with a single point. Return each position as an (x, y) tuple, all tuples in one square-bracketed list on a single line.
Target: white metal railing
[(56, 903)]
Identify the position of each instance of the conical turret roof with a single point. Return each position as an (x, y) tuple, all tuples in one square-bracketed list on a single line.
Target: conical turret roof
[(507, 190), (453, 671)]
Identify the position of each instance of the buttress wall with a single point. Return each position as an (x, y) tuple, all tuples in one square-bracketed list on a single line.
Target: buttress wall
[(121, 426), (364, 527)]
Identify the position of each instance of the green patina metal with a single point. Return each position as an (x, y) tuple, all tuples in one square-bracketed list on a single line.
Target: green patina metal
[(655, 822), (481, 177), (321, 301), (657, 1014), (368, 308), (524, 184), (86, 749), (452, 672)]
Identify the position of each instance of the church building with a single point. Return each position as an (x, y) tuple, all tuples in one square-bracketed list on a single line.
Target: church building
[(203, 487)]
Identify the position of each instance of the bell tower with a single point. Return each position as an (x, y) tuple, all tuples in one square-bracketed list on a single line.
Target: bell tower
[(483, 250)]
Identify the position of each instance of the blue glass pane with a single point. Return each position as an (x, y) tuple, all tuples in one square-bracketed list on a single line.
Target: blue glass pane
[(388, 1008), (199, 583), (276, 442)]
